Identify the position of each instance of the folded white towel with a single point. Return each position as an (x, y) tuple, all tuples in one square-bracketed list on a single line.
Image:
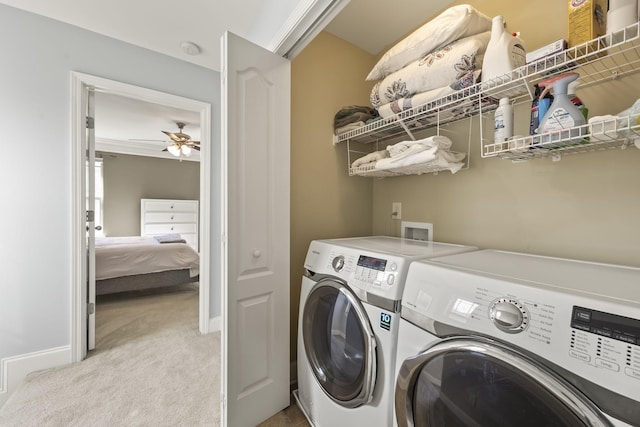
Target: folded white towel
[(407, 156), (419, 145), (444, 160), (370, 158), (432, 150)]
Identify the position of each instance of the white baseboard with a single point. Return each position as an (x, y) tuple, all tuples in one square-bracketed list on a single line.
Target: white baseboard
[(215, 324), (13, 370)]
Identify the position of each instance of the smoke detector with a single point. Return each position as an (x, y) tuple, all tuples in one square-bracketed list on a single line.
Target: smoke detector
[(190, 48)]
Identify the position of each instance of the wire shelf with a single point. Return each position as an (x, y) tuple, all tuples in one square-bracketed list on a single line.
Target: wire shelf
[(603, 135), (460, 105), (606, 57)]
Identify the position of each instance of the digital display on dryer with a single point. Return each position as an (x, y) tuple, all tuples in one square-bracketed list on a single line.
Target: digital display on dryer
[(373, 263)]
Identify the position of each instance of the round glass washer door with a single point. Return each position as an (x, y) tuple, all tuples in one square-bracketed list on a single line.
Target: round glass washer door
[(339, 343), (478, 382)]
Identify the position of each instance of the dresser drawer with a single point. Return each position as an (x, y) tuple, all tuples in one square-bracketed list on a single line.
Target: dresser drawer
[(170, 206), (155, 229), (170, 217)]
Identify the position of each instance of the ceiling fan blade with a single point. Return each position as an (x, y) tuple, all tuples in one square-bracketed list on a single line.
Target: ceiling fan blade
[(172, 135), (183, 136), (196, 147), (165, 149)]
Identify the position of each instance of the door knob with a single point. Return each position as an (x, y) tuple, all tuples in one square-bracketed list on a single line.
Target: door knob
[(98, 227), (257, 253)]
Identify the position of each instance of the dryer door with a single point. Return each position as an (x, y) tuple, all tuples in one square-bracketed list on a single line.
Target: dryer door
[(479, 382), (339, 343)]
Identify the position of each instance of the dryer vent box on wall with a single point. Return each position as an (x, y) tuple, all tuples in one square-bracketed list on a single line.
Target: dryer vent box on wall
[(417, 230)]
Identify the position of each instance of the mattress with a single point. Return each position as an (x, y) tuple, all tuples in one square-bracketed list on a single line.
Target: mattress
[(132, 255)]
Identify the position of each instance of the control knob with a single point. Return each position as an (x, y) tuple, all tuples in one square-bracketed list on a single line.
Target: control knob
[(509, 315), (338, 263)]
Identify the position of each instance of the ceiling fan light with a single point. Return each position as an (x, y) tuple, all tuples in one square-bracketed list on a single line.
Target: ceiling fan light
[(174, 149), (186, 150)]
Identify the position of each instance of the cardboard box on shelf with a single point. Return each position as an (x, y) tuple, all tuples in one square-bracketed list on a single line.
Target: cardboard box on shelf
[(587, 20), (546, 50)]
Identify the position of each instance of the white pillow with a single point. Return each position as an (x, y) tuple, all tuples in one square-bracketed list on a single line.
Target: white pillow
[(439, 68), (452, 24)]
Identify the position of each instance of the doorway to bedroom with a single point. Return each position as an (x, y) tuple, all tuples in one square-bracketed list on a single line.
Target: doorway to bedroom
[(133, 129)]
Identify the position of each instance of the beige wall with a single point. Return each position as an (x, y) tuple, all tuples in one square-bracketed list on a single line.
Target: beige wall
[(325, 201), (127, 179), (585, 206)]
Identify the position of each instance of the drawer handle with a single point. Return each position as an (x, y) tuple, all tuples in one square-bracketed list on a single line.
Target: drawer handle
[(171, 228), (171, 216), (257, 253)]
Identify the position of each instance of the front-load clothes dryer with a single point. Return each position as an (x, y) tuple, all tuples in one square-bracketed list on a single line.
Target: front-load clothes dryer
[(492, 338), (348, 324)]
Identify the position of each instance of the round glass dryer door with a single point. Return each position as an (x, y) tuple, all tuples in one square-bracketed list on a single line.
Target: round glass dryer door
[(339, 343), (481, 383)]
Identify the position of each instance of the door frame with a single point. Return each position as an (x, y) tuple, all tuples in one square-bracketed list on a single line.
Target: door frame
[(79, 81)]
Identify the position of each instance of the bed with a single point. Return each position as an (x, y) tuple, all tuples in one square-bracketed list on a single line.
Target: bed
[(143, 262)]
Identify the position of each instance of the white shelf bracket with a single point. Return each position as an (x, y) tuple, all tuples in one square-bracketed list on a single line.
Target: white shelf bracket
[(404, 126)]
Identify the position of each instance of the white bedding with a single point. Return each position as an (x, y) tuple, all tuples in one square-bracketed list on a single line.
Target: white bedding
[(455, 23), (440, 69), (126, 256), (422, 98)]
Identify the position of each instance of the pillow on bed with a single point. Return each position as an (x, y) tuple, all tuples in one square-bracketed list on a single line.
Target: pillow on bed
[(452, 24)]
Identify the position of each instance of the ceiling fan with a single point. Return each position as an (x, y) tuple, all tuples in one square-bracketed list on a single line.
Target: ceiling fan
[(182, 143)]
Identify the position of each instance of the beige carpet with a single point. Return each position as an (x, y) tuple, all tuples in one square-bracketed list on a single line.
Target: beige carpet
[(151, 367)]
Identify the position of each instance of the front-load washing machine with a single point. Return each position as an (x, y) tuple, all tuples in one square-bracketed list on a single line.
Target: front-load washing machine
[(491, 338), (348, 324)]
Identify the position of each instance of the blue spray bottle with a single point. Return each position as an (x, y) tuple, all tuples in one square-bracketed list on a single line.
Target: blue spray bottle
[(539, 107)]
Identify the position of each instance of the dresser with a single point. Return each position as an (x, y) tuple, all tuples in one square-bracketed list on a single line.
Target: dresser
[(167, 216)]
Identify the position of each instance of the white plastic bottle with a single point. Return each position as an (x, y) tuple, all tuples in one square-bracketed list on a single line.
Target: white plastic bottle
[(621, 14), (503, 121), (504, 53)]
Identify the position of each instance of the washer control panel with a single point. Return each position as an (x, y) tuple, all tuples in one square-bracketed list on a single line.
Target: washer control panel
[(368, 273), (375, 271)]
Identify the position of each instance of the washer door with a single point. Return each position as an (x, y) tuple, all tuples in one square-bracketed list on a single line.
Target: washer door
[(339, 343), (482, 383)]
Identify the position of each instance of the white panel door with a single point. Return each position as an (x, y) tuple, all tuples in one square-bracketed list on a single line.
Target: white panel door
[(88, 292), (255, 144)]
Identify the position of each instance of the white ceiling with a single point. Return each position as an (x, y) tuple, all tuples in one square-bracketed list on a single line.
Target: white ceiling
[(161, 26), (139, 125)]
